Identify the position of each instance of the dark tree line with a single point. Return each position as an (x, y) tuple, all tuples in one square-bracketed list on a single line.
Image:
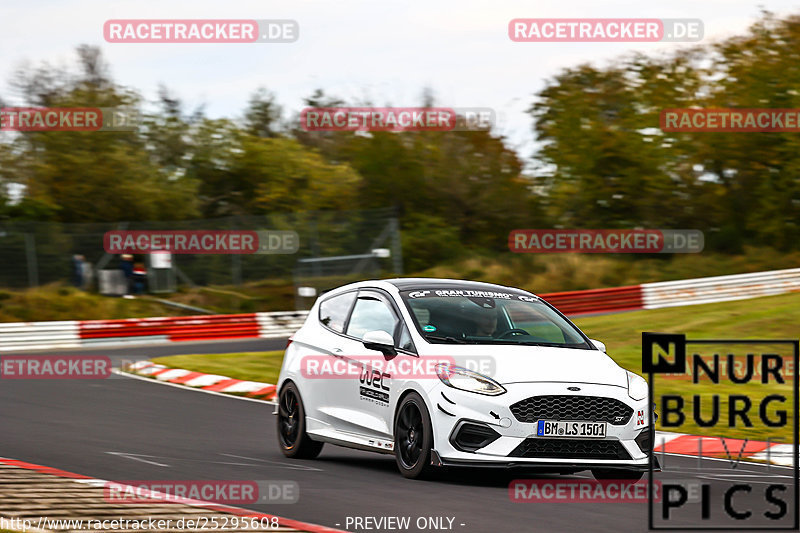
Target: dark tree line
[(602, 160)]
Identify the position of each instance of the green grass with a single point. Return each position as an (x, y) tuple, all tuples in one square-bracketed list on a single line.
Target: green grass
[(254, 366), (60, 302), (775, 317), (771, 317), (57, 302)]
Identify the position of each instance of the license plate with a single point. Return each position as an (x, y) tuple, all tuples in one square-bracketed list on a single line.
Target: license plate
[(571, 428)]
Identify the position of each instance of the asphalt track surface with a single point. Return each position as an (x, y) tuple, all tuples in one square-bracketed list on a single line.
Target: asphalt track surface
[(132, 429)]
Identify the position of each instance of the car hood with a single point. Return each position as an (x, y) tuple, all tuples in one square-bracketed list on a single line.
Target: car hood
[(529, 364)]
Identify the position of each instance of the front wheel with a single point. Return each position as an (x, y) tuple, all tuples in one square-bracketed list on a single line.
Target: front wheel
[(292, 436), (628, 476), (413, 437)]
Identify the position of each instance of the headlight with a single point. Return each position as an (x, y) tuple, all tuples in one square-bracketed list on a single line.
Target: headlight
[(463, 379), (637, 386)]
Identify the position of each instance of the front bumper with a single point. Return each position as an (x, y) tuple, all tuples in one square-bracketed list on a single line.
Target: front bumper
[(437, 460), (516, 443)]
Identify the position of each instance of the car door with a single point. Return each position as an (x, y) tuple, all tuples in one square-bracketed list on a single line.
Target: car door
[(369, 396), (321, 358)]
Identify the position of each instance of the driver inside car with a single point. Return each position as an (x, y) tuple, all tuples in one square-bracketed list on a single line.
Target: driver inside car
[(485, 322)]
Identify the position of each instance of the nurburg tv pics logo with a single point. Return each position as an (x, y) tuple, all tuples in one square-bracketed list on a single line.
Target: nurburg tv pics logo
[(721, 408), (663, 353)]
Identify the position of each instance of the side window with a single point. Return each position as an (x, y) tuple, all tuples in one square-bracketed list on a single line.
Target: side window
[(371, 314), (405, 342), (333, 311)]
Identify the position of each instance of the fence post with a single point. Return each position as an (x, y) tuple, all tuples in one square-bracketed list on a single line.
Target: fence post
[(397, 246), (30, 254), (236, 263), (315, 245)]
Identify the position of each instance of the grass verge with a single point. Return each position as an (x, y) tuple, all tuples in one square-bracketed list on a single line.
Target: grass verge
[(772, 317), (253, 366)]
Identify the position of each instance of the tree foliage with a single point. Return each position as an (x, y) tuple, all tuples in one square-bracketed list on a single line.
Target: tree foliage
[(610, 166), (602, 161)]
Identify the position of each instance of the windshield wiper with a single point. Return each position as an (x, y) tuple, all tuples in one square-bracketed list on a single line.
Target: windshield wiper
[(515, 343), (535, 343), (451, 340)]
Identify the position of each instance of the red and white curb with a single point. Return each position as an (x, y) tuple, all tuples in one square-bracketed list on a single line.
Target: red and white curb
[(285, 524), (724, 448), (199, 380)]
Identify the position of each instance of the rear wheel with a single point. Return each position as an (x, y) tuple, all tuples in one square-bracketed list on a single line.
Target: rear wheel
[(630, 476), (292, 436), (413, 437)]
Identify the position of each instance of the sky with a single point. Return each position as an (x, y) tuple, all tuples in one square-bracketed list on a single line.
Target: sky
[(386, 52)]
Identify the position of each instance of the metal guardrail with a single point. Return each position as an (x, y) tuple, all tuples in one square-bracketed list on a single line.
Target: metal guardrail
[(25, 336), (39, 335)]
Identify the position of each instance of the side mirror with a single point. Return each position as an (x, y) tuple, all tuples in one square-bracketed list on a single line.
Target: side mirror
[(599, 345), (380, 341)]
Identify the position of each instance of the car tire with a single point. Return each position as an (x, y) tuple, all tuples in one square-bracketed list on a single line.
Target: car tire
[(292, 436), (413, 437), (629, 476)]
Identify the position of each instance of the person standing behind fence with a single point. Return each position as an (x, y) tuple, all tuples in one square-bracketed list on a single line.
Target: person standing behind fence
[(77, 270), (127, 270), (139, 278)]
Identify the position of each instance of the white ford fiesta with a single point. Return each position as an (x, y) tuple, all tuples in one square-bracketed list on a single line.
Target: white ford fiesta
[(457, 373)]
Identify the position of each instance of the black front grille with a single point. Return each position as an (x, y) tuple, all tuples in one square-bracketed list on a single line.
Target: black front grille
[(570, 407), (570, 449), (469, 436)]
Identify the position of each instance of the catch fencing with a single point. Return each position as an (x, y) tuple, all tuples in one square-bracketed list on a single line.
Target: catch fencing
[(39, 253)]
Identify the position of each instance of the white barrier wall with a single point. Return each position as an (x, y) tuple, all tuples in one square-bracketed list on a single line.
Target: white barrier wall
[(280, 324), (719, 288), (18, 336)]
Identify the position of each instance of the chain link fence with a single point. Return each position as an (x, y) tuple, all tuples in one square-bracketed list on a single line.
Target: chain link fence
[(38, 253)]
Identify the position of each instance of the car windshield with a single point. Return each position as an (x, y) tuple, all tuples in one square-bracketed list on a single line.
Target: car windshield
[(465, 316)]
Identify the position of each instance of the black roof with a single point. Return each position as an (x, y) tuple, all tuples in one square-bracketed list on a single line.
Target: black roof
[(407, 284)]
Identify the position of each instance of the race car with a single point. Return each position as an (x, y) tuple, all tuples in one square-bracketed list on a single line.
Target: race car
[(444, 372)]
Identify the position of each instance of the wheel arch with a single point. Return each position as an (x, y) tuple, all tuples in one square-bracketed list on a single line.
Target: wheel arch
[(283, 384), (397, 405)]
